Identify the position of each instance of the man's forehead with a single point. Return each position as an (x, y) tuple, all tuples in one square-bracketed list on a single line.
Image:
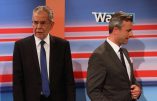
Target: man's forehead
[(40, 17), (40, 14), (127, 23)]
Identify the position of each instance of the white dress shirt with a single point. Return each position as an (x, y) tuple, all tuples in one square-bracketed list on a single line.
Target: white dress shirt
[(47, 50), (116, 49)]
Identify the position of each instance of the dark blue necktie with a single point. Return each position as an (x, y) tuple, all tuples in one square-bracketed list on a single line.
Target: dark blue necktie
[(44, 75)]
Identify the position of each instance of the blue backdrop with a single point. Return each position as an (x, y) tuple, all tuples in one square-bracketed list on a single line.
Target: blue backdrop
[(84, 34)]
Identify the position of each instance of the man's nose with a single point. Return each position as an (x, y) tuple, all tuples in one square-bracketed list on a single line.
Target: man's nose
[(39, 25), (131, 34)]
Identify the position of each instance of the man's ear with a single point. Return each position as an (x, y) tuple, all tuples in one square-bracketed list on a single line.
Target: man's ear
[(115, 30), (52, 24)]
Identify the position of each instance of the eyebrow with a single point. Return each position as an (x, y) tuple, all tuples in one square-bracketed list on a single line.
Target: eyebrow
[(42, 22)]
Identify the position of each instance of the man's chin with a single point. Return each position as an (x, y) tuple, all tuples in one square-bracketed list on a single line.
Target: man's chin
[(125, 43)]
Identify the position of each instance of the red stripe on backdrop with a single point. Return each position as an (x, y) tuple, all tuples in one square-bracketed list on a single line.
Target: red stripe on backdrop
[(142, 54), (8, 40), (83, 74), (84, 29), (145, 27), (75, 29), (6, 78), (16, 30), (132, 54), (81, 55), (144, 36), (6, 58), (105, 28), (103, 37), (139, 73), (87, 37), (87, 55), (146, 73)]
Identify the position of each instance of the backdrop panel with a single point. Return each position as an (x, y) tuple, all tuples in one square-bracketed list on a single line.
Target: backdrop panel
[(86, 27)]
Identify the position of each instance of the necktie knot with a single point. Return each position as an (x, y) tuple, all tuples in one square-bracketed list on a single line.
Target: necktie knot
[(120, 50), (42, 42)]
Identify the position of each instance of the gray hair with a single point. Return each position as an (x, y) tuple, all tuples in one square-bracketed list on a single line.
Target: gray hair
[(46, 9), (117, 20)]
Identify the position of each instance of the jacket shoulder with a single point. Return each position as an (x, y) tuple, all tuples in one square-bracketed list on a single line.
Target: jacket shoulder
[(100, 49), (58, 40), (25, 40)]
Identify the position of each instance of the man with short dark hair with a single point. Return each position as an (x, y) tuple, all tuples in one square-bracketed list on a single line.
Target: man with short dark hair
[(110, 74)]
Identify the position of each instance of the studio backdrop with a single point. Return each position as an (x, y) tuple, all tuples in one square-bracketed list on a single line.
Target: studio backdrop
[(85, 24)]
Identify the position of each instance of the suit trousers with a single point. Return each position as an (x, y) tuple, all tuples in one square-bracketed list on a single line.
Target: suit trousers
[(43, 98)]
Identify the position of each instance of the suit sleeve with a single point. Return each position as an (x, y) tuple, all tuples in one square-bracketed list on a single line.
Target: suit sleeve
[(96, 74), (18, 82), (69, 77)]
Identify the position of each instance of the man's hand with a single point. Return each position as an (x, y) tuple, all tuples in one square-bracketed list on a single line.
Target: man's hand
[(135, 91)]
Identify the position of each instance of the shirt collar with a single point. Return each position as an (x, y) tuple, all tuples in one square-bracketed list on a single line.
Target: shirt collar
[(113, 45), (47, 40)]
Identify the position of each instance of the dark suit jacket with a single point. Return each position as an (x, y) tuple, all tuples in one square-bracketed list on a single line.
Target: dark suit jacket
[(107, 78), (26, 71)]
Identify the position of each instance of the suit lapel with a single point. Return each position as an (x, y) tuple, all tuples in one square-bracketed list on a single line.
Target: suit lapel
[(34, 55), (131, 65), (52, 62), (116, 60)]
